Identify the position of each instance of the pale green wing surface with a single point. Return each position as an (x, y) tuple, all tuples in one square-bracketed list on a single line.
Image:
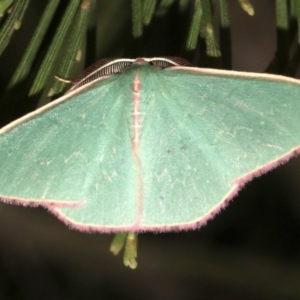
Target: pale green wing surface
[(205, 134), (75, 151), (201, 135)]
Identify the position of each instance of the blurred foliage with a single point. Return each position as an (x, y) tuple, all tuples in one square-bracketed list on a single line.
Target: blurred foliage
[(70, 35)]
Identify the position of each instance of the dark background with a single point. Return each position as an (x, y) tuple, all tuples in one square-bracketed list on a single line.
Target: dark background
[(250, 250)]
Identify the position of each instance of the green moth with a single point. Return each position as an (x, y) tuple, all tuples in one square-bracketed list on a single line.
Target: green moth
[(149, 144)]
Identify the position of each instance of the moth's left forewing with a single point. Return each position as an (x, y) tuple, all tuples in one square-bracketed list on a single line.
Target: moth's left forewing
[(210, 131)]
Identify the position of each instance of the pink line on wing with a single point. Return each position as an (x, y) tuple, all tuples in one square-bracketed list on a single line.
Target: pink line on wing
[(136, 87)]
